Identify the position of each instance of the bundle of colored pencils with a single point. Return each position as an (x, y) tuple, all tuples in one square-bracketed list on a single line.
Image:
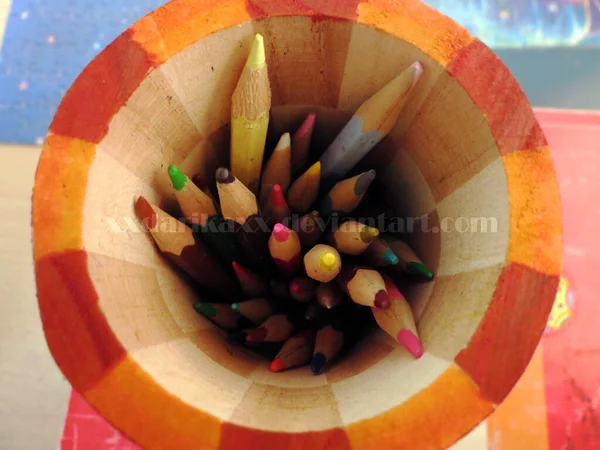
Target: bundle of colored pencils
[(268, 269)]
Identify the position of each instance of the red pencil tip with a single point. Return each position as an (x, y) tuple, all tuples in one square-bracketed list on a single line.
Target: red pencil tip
[(145, 212), (257, 335), (307, 125), (382, 300), (281, 233), (411, 342), (295, 287), (277, 198), (277, 366)]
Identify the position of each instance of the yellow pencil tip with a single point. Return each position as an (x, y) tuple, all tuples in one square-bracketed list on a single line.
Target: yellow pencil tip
[(315, 169), (327, 261), (256, 59)]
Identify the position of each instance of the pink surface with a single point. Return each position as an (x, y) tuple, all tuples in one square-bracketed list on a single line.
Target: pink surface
[(571, 353)]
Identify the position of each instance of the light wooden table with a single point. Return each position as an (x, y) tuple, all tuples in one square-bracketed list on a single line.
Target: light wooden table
[(33, 392)]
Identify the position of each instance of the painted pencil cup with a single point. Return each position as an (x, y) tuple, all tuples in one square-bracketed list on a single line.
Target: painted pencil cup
[(467, 157)]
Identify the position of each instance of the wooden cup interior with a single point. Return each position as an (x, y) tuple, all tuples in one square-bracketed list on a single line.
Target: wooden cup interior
[(439, 167)]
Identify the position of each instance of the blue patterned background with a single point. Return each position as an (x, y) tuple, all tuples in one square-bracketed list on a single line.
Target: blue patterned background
[(48, 42)]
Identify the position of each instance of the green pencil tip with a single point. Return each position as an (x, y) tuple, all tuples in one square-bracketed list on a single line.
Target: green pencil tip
[(178, 179), (419, 269), (235, 306), (390, 258), (206, 309)]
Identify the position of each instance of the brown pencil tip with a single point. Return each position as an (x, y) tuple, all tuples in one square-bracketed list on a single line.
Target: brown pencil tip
[(145, 212), (257, 335), (224, 176)]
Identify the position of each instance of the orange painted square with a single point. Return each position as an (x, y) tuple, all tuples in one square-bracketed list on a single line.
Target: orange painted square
[(435, 418), (435, 34), (498, 95), (502, 346), (102, 89), (59, 194), (180, 23), (535, 211), (128, 397), (78, 336)]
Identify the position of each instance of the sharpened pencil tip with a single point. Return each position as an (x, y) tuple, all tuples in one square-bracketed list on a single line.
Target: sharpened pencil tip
[(364, 181), (178, 179), (224, 176), (257, 335), (315, 169), (382, 300), (277, 198), (281, 233), (256, 58), (389, 258), (206, 309), (235, 306), (284, 143), (419, 269), (368, 234), (306, 126), (145, 212), (277, 365), (327, 260), (318, 362), (410, 342)]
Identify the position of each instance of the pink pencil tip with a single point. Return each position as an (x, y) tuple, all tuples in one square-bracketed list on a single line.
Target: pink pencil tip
[(418, 71), (307, 125), (296, 288), (281, 233), (411, 342)]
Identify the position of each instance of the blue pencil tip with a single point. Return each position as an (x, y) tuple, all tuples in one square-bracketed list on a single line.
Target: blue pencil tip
[(390, 258), (318, 362)]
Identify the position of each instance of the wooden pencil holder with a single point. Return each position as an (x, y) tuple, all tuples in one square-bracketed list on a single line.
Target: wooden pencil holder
[(467, 149)]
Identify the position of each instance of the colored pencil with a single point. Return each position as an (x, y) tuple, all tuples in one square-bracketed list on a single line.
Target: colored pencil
[(303, 288), (285, 249), (221, 315), (379, 254), (276, 209), (305, 190), (199, 210), (346, 195), (177, 242), (315, 313), (296, 351), (373, 120), (250, 105), (309, 229), (238, 204), (364, 286), (322, 263), (277, 169), (328, 344), (409, 262), (329, 295), (277, 328), (257, 310), (398, 320), (353, 238), (252, 284), (301, 145)]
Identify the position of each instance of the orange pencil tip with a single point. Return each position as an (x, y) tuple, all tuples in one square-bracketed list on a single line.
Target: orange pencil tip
[(277, 366)]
